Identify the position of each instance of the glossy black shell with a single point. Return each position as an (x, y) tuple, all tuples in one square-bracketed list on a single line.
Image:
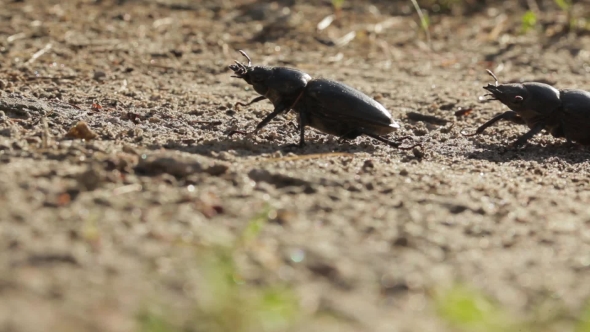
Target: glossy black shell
[(338, 109)]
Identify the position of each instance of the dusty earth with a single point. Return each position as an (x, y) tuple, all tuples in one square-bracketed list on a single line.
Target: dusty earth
[(94, 232)]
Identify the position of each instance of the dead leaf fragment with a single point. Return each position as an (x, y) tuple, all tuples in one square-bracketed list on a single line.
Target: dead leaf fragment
[(95, 107), (463, 111), (209, 205), (82, 131)]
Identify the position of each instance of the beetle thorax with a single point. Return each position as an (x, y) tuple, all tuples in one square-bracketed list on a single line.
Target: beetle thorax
[(273, 95), (543, 98)]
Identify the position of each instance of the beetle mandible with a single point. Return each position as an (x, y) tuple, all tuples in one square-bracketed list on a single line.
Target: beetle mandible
[(328, 106), (562, 113)]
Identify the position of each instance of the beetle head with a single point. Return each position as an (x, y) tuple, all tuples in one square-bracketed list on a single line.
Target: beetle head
[(253, 75), (525, 97), (511, 95)]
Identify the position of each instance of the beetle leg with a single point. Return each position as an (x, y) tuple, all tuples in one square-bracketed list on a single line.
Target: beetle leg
[(568, 137), (394, 144), (524, 138), (403, 138), (294, 125), (280, 108), (356, 133), (255, 100), (510, 115)]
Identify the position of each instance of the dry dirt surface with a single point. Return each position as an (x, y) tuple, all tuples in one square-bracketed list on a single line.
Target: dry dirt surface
[(117, 175)]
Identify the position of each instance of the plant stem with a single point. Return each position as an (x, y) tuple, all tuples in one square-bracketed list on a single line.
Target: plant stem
[(423, 22)]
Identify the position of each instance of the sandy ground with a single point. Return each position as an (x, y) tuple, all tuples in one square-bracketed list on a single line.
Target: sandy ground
[(93, 232)]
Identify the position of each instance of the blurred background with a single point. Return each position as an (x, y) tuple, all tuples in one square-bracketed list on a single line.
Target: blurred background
[(162, 223)]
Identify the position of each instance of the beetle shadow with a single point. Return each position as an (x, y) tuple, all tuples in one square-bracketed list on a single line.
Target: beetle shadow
[(572, 154), (247, 148)]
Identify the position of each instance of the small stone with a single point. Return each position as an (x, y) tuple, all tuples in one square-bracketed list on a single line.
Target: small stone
[(401, 241), (224, 155), (368, 164), (418, 153), (130, 149), (179, 165), (91, 178), (6, 132), (281, 216), (82, 131), (5, 144), (20, 145), (33, 140), (99, 75)]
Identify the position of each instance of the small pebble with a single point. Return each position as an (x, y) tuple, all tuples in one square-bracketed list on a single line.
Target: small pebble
[(99, 75), (368, 164), (418, 153)]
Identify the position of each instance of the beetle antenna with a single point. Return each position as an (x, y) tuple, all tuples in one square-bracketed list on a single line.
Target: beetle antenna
[(247, 57), (494, 76)]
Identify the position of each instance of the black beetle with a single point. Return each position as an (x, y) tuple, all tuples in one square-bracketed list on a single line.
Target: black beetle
[(563, 113), (329, 106)]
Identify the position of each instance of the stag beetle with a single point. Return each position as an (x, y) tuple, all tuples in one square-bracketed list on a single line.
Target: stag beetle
[(563, 113), (328, 106)]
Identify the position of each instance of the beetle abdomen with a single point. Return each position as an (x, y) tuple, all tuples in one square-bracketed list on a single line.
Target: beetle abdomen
[(575, 115), (576, 101), (340, 102)]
